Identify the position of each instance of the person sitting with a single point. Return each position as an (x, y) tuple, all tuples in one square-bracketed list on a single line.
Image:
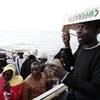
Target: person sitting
[(10, 84), (35, 84)]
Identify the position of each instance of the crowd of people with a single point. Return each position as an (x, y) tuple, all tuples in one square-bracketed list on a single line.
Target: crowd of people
[(27, 78)]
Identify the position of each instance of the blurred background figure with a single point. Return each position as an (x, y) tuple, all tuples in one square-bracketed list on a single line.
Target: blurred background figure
[(62, 55), (14, 57), (19, 61), (34, 52), (43, 59), (3, 61), (26, 66)]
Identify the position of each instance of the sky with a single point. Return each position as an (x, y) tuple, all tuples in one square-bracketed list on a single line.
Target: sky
[(38, 15)]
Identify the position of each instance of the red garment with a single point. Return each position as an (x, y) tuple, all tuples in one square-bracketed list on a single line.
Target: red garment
[(16, 84), (15, 91)]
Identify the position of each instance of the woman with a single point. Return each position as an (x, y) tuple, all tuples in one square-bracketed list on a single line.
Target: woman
[(10, 84)]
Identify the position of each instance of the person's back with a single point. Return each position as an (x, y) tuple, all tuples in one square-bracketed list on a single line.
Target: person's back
[(43, 60)]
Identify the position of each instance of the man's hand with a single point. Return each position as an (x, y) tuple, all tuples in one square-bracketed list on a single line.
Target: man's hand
[(57, 71), (66, 38)]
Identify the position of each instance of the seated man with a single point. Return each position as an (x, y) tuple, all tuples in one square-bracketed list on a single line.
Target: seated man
[(35, 83), (10, 84)]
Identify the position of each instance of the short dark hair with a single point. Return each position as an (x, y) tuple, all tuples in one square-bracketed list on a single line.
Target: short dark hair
[(36, 63)]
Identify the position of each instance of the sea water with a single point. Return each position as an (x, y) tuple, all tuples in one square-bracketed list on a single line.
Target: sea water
[(48, 42)]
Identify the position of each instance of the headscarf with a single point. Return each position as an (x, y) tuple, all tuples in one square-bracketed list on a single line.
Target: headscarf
[(16, 79)]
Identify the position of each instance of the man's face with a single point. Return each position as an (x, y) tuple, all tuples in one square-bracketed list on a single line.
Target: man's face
[(20, 55), (7, 75), (35, 69), (85, 32)]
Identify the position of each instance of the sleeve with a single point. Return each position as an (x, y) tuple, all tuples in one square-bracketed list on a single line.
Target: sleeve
[(82, 86), (25, 91), (86, 87), (16, 95)]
